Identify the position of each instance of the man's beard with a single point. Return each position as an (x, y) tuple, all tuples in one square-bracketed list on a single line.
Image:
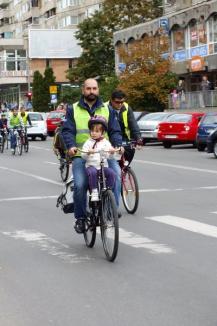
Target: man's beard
[(91, 97)]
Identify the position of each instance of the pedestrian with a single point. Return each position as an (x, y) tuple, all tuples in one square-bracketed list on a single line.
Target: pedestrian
[(181, 94), (75, 132), (98, 126), (205, 87), (174, 95)]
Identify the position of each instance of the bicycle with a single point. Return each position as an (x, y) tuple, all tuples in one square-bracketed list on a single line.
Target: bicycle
[(17, 132), (25, 140), (129, 183), (3, 139), (103, 214)]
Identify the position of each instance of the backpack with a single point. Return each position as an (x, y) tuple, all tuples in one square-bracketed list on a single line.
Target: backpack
[(65, 199)]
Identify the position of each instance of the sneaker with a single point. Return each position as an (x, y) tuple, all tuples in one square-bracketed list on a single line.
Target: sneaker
[(94, 195), (80, 225)]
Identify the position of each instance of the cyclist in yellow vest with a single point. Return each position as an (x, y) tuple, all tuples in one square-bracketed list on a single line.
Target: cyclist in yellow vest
[(14, 121), (24, 115), (75, 132), (129, 127)]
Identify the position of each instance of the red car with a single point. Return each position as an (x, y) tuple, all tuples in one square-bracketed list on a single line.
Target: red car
[(179, 128), (53, 120)]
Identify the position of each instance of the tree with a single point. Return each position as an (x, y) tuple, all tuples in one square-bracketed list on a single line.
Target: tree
[(147, 79), (49, 80), (95, 35), (37, 90)]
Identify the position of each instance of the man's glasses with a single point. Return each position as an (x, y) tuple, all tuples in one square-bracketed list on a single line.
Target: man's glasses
[(118, 102)]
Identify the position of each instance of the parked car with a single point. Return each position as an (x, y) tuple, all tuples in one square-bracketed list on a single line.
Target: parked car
[(53, 119), (212, 142), (39, 126), (180, 128), (207, 124), (148, 125), (139, 114)]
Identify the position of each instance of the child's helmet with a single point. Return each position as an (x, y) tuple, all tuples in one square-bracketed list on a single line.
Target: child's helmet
[(98, 119)]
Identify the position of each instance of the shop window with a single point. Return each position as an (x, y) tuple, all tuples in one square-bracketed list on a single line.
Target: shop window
[(213, 29), (197, 32)]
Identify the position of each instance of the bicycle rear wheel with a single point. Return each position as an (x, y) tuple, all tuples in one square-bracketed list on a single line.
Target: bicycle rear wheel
[(64, 170), (90, 232), (130, 190), (2, 144), (19, 146), (109, 225), (26, 144)]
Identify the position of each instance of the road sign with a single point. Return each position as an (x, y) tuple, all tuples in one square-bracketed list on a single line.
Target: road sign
[(53, 89), (53, 98)]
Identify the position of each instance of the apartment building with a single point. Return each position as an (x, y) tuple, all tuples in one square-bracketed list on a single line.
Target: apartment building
[(17, 17), (191, 26)]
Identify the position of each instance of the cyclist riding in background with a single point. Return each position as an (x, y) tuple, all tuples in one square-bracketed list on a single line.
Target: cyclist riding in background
[(129, 128), (15, 121), (25, 116), (3, 121), (59, 147), (75, 132)]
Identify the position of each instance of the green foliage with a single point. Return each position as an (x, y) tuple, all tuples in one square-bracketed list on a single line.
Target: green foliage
[(95, 35), (107, 86), (69, 94), (40, 89), (37, 90)]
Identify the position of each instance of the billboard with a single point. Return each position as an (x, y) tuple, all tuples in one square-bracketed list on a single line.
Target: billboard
[(53, 44)]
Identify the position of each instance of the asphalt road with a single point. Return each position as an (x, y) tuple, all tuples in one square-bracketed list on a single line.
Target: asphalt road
[(166, 270)]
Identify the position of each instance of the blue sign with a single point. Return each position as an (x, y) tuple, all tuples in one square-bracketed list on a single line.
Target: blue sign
[(53, 98), (201, 51), (29, 105), (164, 25), (121, 66), (180, 55)]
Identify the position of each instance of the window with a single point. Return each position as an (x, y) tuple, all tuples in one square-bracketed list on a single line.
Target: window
[(197, 32), (10, 54), (178, 38), (213, 29)]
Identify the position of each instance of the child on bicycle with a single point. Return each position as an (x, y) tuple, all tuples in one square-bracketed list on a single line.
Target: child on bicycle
[(97, 142)]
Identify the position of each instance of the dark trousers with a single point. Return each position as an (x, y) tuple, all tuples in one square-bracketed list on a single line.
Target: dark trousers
[(92, 173)]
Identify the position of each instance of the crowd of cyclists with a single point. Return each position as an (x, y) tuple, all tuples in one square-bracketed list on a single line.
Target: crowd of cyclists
[(13, 123)]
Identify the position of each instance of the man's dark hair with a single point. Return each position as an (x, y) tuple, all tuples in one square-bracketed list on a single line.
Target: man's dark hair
[(117, 94)]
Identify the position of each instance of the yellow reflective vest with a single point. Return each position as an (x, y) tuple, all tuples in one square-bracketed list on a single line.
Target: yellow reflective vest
[(81, 117), (24, 118), (125, 119)]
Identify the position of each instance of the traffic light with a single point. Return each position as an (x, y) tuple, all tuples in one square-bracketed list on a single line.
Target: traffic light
[(29, 96)]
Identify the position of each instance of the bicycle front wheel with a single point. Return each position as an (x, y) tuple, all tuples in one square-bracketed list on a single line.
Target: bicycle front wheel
[(130, 190), (19, 146), (109, 225), (64, 170)]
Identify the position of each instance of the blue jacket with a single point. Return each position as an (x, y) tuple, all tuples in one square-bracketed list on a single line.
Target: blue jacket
[(69, 126)]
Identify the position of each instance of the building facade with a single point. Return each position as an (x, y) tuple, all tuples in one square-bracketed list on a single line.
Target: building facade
[(16, 18), (191, 26)]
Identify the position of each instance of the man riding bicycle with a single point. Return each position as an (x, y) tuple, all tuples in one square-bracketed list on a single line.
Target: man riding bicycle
[(25, 116), (15, 121), (75, 132), (129, 129)]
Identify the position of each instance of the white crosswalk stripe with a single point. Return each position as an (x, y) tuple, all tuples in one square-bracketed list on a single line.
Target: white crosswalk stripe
[(186, 224)]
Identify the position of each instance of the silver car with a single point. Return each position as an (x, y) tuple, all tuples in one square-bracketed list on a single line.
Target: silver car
[(148, 125)]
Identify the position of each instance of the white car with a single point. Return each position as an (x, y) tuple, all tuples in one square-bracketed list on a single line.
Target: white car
[(39, 126), (148, 125)]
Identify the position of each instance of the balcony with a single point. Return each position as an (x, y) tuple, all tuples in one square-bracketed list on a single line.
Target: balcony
[(4, 3), (49, 5), (14, 77), (5, 13), (11, 43)]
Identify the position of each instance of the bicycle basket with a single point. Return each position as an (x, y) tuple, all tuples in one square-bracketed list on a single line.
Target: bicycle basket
[(65, 199)]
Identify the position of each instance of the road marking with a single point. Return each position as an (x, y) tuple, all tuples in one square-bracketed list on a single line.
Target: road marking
[(213, 212), (53, 163), (41, 148), (137, 241), (47, 244), (177, 189), (186, 224), (31, 175), (27, 198), (183, 167)]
